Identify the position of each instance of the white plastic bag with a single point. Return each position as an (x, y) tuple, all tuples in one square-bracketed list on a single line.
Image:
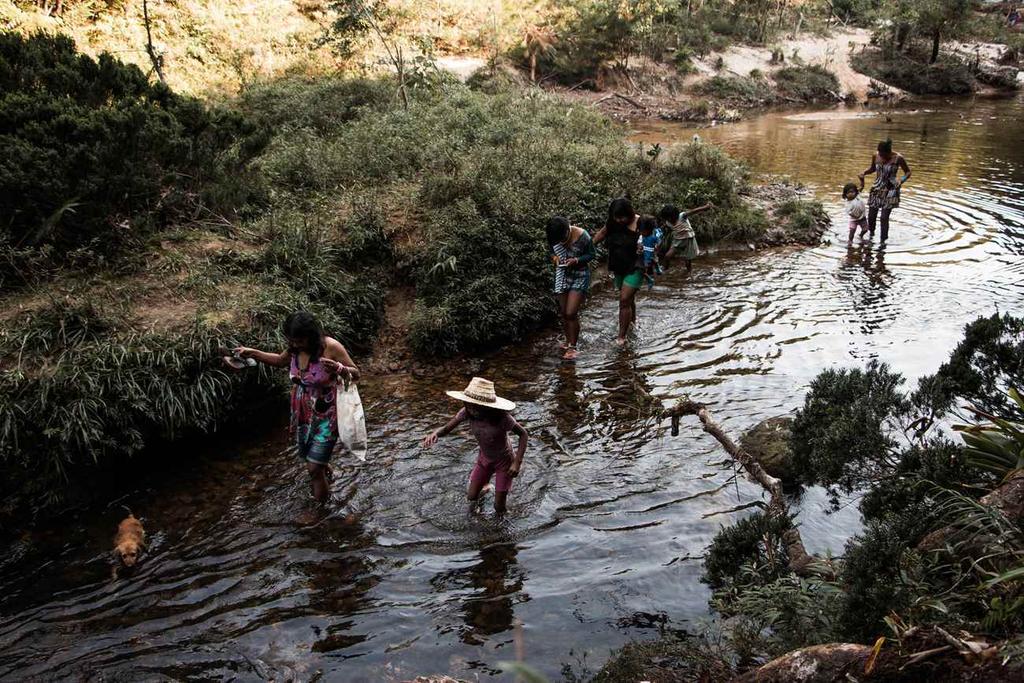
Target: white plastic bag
[(351, 420)]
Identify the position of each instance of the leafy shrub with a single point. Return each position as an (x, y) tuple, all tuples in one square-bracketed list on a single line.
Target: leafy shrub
[(477, 175), (807, 83), (988, 361), (683, 61), (755, 540), (786, 613), (745, 90), (93, 154), (872, 564), (841, 437), (948, 76)]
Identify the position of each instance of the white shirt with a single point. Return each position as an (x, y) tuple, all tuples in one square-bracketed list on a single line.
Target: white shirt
[(856, 208)]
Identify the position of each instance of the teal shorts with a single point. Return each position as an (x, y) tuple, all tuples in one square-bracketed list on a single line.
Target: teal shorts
[(634, 280)]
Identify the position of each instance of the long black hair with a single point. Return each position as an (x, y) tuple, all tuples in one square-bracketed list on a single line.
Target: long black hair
[(619, 208), (304, 325), (556, 230), (885, 146)]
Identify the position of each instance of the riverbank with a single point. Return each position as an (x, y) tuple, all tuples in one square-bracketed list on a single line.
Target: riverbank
[(610, 517), (807, 70), (113, 347)]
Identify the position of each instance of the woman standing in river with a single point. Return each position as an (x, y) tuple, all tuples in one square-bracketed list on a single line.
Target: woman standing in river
[(316, 362), (885, 192), (624, 259), (572, 250)]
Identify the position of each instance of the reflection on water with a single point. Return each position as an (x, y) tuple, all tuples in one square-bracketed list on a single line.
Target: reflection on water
[(610, 516)]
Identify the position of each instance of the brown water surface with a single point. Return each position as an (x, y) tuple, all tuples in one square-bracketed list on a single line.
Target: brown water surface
[(610, 516)]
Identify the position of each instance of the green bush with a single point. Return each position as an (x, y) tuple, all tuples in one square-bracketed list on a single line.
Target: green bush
[(94, 155), (807, 83), (755, 541), (988, 361), (478, 175), (842, 436), (740, 89), (948, 76)]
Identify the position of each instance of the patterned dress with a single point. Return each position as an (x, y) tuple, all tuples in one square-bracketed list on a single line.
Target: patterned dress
[(576, 278), (885, 193), (314, 410)]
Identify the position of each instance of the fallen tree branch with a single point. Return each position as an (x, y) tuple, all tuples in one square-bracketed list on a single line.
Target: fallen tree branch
[(629, 99), (800, 561)]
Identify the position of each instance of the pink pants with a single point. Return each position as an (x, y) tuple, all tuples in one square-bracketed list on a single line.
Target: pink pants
[(485, 468)]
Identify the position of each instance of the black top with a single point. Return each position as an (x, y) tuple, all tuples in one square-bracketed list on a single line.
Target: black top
[(622, 253)]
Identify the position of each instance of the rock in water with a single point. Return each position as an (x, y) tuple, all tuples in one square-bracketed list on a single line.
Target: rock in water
[(768, 441)]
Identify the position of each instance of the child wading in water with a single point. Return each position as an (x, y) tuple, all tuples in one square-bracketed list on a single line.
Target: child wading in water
[(490, 422), (650, 240), (679, 236), (855, 209)]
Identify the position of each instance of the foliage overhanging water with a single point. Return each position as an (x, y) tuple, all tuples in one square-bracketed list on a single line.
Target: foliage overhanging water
[(610, 517)]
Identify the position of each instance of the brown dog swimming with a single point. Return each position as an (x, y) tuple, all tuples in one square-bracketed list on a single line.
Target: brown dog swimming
[(129, 541)]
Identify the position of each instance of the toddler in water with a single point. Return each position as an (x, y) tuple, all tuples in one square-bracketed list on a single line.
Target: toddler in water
[(855, 209), (648, 242), (490, 422)]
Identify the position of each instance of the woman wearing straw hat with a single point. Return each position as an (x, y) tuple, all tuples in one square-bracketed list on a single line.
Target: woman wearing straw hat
[(490, 422)]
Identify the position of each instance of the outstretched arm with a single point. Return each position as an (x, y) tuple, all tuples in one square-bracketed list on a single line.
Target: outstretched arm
[(699, 209), (432, 438), (869, 170), (600, 235), (277, 360)]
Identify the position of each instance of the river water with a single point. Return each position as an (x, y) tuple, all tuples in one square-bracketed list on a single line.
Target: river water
[(610, 517)]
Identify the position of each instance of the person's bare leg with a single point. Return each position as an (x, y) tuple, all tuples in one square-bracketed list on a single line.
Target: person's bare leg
[(627, 311), (562, 304), (500, 498), (473, 492), (872, 220), (574, 301), (318, 481)]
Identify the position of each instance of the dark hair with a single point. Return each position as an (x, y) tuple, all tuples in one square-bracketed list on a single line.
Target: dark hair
[(885, 146), (619, 208), (304, 325), (646, 224), (850, 186), (556, 229), (669, 213), (492, 415)]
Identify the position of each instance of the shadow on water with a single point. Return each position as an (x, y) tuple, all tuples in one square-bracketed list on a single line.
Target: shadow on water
[(610, 516)]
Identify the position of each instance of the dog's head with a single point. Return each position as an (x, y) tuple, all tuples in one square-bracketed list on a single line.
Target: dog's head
[(128, 552)]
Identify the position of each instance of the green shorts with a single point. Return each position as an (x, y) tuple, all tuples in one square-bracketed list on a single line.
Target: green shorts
[(634, 280)]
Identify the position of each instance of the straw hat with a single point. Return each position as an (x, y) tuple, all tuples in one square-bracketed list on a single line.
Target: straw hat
[(481, 392)]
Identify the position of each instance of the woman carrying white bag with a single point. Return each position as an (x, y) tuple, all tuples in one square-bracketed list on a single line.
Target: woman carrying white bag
[(351, 420), (324, 410)]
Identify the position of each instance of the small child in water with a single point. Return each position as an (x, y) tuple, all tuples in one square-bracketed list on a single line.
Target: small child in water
[(855, 209), (490, 422), (648, 243), (679, 236)]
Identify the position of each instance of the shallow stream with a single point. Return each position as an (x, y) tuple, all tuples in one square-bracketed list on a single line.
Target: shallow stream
[(611, 515)]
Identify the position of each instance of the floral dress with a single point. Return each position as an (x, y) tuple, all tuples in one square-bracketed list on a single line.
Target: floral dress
[(314, 410), (885, 193)]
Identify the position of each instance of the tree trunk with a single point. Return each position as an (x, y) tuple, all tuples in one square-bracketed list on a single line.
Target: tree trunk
[(799, 560), (153, 56), (936, 39), (902, 33)]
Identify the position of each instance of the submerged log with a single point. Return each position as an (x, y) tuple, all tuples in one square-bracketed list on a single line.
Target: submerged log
[(815, 664), (800, 562)]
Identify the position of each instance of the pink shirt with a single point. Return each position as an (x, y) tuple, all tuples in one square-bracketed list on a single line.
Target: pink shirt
[(491, 436)]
